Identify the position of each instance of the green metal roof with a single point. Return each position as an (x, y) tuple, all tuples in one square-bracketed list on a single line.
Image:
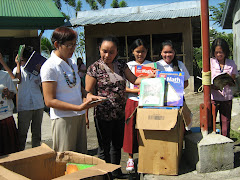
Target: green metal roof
[(29, 14)]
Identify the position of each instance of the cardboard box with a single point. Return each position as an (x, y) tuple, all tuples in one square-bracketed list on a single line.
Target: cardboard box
[(160, 140), (43, 163)]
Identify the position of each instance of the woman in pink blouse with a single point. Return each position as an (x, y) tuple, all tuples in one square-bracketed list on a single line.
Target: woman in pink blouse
[(222, 99)]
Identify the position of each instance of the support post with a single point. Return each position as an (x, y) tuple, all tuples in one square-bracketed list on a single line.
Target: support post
[(206, 65)]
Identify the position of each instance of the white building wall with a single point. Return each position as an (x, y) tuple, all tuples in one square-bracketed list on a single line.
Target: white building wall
[(236, 34)]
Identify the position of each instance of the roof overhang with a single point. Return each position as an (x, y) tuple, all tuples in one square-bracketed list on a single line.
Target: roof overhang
[(41, 23), (227, 17), (30, 14), (138, 13)]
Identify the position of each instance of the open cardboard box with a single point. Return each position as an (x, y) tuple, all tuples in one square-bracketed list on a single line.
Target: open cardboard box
[(160, 140), (43, 163)]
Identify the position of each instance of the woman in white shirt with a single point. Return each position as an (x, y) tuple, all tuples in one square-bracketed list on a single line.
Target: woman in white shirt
[(63, 93)]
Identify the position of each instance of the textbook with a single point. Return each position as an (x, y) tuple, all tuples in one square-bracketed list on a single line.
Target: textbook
[(222, 80), (174, 86), (152, 92), (142, 71), (34, 63)]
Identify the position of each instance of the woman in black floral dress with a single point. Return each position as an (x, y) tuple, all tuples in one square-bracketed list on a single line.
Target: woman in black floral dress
[(108, 77)]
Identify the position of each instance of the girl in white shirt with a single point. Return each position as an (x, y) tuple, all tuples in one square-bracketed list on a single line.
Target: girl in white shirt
[(169, 61), (139, 55)]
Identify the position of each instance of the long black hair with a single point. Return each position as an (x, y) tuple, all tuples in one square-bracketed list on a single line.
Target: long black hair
[(223, 44), (111, 39), (134, 45), (174, 61)]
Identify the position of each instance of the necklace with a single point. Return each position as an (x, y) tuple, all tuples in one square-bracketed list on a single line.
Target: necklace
[(70, 84)]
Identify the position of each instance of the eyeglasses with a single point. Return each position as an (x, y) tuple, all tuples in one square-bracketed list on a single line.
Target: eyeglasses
[(70, 45)]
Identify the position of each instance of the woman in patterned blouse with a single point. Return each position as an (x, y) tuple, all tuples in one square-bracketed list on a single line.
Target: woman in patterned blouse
[(108, 77)]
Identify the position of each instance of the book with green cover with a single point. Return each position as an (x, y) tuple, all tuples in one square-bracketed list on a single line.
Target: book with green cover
[(81, 166), (20, 52), (152, 92), (152, 65)]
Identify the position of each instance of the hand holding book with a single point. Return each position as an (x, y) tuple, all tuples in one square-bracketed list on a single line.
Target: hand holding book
[(221, 80)]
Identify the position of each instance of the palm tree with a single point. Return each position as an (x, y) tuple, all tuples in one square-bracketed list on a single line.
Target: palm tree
[(46, 47)]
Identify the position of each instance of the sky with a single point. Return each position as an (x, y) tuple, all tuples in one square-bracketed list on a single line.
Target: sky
[(85, 7)]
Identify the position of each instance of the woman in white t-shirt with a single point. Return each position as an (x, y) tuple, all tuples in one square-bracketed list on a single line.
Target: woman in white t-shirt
[(139, 50), (62, 92)]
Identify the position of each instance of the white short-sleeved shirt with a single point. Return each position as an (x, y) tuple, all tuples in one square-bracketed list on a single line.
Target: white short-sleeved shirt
[(52, 70), (6, 105), (132, 65), (163, 66), (29, 92)]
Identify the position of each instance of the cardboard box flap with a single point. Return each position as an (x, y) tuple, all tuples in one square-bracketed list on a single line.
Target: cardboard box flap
[(156, 119), (73, 157), (33, 152), (7, 174), (94, 171)]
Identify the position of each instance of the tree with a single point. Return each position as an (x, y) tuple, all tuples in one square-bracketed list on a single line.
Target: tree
[(46, 47), (123, 4), (76, 5), (217, 12), (115, 4), (72, 3), (80, 48), (216, 16)]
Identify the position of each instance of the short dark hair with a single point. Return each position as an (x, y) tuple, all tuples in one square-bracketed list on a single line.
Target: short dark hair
[(224, 45), (134, 45), (28, 50), (63, 34), (110, 38)]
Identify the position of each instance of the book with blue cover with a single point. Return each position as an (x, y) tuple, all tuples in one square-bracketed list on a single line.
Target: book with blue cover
[(152, 92), (174, 86), (34, 63)]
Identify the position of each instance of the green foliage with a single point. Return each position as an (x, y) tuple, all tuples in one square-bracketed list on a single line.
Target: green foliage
[(46, 47), (197, 53), (80, 48), (115, 4), (102, 2), (78, 6), (66, 16), (71, 3), (216, 13), (235, 136), (92, 4), (58, 4), (123, 4)]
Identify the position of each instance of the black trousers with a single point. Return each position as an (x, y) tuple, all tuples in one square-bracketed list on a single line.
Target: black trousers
[(110, 139)]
